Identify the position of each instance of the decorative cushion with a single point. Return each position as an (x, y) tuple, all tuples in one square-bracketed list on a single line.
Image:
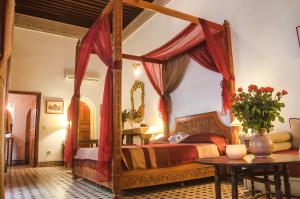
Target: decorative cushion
[(162, 140), (218, 140), (280, 136), (282, 146), (295, 128), (176, 138)]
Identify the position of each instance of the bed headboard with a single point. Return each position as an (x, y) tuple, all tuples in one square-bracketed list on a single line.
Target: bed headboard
[(202, 123)]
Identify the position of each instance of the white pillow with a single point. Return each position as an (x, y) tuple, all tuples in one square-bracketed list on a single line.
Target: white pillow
[(176, 138)]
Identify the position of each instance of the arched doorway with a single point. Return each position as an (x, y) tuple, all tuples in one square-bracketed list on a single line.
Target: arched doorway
[(84, 121)]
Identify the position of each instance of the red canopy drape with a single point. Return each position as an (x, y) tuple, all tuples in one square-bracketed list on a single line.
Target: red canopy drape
[(203, 43), (206, 45), (98, 41)]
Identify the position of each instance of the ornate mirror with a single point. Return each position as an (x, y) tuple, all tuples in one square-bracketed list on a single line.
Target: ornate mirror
[(137, 94)]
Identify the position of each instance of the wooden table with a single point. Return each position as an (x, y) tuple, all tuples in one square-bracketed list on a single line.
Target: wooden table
[(278, 163), (130, 133)]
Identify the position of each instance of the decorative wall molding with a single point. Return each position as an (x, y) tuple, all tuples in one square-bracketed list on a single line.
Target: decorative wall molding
[(49, 26), (141, 19), (18, 162), (50, 163), (58, 28)]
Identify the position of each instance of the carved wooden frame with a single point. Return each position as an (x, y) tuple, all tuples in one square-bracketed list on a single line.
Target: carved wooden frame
[(138, 115), (203, 123)]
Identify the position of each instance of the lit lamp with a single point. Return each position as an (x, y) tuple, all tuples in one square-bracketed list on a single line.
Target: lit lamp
[(236, 151), (137, 69), (152, 130), (236, 125)]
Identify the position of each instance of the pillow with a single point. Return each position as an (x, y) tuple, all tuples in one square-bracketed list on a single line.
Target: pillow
[(295, 129), (282, 146), (280, 136), (178, 137), (162, 140), (218, 140)]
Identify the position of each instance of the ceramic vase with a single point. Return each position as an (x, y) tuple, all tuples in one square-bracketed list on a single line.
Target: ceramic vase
[(261, 145)]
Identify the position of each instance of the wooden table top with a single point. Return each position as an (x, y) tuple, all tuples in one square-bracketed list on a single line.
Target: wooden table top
[(251, 160)]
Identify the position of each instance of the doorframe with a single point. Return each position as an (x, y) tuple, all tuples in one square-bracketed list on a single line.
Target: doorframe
[(37, 121)]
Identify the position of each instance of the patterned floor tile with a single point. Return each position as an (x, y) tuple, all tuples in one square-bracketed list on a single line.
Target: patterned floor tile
[(57, 183)]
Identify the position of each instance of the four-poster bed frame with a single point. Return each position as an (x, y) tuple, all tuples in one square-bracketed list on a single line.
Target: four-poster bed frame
[(115, 6)]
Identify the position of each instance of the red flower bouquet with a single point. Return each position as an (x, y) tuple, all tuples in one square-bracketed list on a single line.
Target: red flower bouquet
[(258, 107)]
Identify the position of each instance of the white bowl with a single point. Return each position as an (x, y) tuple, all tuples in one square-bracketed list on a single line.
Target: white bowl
[(236, 151)]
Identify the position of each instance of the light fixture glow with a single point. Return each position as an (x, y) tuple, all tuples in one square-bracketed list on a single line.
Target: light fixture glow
[(136, 69)]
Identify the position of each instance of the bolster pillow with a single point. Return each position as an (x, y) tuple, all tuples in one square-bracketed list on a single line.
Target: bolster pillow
[(280, 136)]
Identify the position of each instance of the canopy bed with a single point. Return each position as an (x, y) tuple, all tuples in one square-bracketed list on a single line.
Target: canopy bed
[(206, 42)]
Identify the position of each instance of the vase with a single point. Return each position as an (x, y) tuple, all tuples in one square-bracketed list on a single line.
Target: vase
[(236, 151), (261, 145)]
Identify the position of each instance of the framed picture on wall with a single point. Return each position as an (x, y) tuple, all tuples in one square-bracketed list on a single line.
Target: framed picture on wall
[(2, 25), (54, 107), (298, 34)]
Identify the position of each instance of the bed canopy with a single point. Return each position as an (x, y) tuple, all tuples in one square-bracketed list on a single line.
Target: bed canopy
[(205, 42)]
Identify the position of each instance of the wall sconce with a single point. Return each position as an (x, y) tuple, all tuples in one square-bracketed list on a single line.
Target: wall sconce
[(136, 69)]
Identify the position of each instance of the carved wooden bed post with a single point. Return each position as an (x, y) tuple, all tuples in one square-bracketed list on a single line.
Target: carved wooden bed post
[(76, 126), (117, 85), (226, 25)]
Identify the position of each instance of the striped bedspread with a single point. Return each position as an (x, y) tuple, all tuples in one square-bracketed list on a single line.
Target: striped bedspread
[(165, 155), (155, 155)]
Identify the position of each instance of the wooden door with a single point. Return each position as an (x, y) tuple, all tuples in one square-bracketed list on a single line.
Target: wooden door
[(27, 137), (84, 122)]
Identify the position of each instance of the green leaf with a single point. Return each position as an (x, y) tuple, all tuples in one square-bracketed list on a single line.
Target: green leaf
[(281, 119)]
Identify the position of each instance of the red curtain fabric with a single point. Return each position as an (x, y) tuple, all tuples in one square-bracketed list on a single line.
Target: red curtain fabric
[(102, 47), (212, 54), (98, 41), (83, 51), (206, 45), (154, 73), (165, 78)]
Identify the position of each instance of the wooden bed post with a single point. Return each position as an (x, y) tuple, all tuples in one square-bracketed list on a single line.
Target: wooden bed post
[(117, 85), (75, 136), (234, 130)]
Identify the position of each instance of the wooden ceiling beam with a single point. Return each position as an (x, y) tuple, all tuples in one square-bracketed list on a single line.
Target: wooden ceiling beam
[(139, 58), (58, 17), (167, 11), (75, 4), (108, 8), (161, 9), (73, 7), (63, 11)]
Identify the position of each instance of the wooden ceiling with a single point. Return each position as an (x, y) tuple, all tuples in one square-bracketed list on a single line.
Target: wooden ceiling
[(75, 12)]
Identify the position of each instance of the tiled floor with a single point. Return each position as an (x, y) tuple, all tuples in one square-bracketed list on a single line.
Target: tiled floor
[(57, 183)]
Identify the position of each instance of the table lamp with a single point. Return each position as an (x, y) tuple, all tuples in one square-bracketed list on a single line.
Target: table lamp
[(152, 130)]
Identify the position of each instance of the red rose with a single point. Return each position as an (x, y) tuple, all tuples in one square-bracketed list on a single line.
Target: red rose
[(252, 87), (284, 92), (240, 89), (278, 94), (269, 89), (236, 98), (262, 89)]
